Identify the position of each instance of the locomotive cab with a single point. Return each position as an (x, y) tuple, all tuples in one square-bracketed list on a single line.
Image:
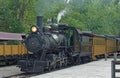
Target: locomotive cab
[(71, 33), (79, 43)]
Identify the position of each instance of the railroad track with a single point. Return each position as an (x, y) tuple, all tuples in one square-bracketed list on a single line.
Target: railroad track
[(25, 75), (21, 75)]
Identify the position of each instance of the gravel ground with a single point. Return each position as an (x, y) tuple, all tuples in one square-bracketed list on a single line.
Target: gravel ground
[(95, 69), (8, 71)]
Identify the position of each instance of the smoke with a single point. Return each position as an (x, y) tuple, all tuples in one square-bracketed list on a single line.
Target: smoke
[(48, 6), (63, 12), (67, 1), (60, 14)]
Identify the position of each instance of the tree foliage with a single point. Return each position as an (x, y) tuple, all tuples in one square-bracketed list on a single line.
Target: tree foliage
[(99, 16), (13, 15)]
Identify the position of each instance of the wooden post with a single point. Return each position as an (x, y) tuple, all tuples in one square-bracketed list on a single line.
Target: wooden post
[(115, 56), (105, 56)]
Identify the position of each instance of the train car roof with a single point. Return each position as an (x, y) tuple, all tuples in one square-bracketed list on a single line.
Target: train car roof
[(90, 33), (118, 39), (4, 36), (110, 37), (78, 30), (84, 32), (98, 35)]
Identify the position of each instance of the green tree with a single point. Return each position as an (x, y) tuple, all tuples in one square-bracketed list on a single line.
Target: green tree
[(15, 14)]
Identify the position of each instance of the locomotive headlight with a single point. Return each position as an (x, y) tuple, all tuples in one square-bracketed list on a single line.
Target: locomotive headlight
[(34, 29)]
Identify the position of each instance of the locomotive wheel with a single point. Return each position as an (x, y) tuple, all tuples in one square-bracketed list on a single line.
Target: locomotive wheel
[(65, 63), (54, 66), (78, 60), (83, 60), (49, 68), (52, 58), (59, 65)]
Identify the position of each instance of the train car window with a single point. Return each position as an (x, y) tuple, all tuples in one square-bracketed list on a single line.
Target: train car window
[(69, 34), (3, 42), (86, 39)]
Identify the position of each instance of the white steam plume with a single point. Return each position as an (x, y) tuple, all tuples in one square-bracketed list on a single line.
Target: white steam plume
[(63, 12), (60, 14), (67, 1)]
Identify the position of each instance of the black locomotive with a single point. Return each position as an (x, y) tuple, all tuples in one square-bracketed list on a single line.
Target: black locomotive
[(54, 46)]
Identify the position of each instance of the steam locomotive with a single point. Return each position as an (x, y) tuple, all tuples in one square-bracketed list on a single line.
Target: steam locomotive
[(56, 46)]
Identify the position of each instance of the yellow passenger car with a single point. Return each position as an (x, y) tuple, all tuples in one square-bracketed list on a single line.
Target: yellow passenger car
[(111, 45), (11, 52), (99, 46), (11, 48)]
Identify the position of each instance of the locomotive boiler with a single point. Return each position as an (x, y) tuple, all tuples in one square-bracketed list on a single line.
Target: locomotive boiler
[(37, 41), (43, 38)]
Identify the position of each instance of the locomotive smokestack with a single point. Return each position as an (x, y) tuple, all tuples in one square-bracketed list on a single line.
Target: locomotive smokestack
[(39, 23)]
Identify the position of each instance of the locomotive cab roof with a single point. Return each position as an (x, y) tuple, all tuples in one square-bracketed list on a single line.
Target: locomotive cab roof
[(63, 26), (91, 33)]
